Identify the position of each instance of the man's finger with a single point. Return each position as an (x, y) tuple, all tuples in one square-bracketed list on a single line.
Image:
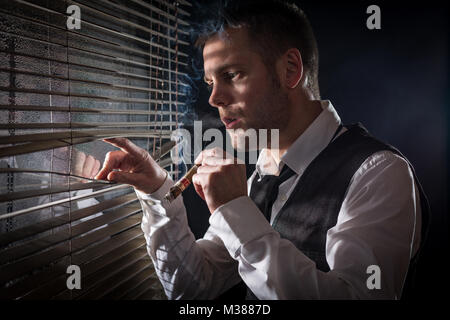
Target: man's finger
[(199, 159), (205, 153), (213, 152), (213, 161), (196, 181), (133, 179), (112, 161), (206, 169), (125, 145)]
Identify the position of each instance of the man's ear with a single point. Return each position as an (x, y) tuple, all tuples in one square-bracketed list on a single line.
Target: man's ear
[(294, 68)]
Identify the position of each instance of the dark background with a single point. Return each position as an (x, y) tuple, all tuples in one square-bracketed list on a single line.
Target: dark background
[(394, 81)]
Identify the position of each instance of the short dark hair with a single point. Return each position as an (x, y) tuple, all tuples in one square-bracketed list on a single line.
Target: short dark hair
[(274, 26)]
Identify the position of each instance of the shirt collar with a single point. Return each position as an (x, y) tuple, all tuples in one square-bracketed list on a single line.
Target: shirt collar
[(306, 147)]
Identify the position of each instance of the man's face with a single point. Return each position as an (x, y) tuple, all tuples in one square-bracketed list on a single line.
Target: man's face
[(247, 94)]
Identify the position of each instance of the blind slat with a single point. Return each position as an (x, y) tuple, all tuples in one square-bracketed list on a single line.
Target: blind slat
[(170, 5), (70, 63), (100, 269), (112, 265), (99, 83), (92, 266), (47, 145), (126, 49), (123, 21), (89, 260), (98, 235), (161, 12), (14, 270), (57, 285), (99, 134), (146, 295), (163, 150), (186, 3), (147, 276), (23, 266), (80, 95), (126, 65), (116, 33), (142, 15), (51, 190), (137, 291), (78, 125), (82, 110), (67, 232), (63, 15), (133, 264), (64, 218), (178, 83), (36, 171), (108, 247), (164, 163), (101, 55), (62, 201), (21, 288)]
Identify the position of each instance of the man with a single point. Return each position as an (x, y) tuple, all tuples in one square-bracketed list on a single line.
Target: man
[(329, 205)]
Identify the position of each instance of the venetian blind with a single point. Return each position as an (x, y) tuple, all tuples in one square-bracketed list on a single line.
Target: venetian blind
[(63, 90)]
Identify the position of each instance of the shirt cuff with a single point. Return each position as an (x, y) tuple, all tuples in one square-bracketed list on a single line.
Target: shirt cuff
[(155, 204), (238, 222), (159, 194)]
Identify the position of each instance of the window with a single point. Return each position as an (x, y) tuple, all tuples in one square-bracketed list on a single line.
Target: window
[(63, 90)]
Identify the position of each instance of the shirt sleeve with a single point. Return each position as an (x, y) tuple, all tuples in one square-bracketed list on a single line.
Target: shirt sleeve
[(375, 227), (187, 269)]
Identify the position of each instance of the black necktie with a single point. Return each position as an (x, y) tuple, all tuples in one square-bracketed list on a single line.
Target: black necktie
[(265, 192)]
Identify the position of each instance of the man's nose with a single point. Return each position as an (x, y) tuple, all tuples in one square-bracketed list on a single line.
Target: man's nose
[(219, 97)]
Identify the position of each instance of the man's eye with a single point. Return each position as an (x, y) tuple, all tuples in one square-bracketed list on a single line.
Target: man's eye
[(231, 75), (209, 86)]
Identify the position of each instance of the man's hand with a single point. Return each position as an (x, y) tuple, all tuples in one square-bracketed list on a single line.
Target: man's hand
[(219, 179), (136, 167)]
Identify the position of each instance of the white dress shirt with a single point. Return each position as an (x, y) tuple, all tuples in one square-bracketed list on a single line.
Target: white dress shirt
[(378, 224)]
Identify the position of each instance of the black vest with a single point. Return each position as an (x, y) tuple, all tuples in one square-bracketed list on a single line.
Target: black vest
[(313, 206)]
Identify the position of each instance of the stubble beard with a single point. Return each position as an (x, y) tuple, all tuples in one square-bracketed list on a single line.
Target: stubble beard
[(273, 115)]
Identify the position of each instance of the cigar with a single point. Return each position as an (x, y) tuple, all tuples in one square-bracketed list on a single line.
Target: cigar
[(181, 185)]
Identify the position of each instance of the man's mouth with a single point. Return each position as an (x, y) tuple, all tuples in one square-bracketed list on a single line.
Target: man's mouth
[(230, 122)]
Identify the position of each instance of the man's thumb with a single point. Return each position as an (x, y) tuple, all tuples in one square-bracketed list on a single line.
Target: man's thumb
[(123, 177)]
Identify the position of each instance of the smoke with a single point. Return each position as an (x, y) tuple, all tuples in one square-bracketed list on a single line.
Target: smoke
[(193, 97), (193, 94)]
